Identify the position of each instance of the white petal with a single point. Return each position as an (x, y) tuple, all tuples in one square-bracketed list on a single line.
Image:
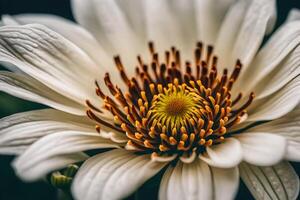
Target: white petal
[(184, 14), (40, 170), (49, 58), (225, 155), (3, 22), (108, 23), (293, 150), (42, 115), (162, 158), (275, 182), (289, 127), (209, 18), (285, 72), (85, 14), (243, 30), (113, 135), (53, 148), (73, 32), (135, 19), (187, 181), (262, 149), (293, 15), (113, 175), (19, 131), (278, 104), (171, 23), (7, 20), (77, 35), (229, 31), (259, 20), (269, 58), (24, 87), (226, 183), (188, 157)]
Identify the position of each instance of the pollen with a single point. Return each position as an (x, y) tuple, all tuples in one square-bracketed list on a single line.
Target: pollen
[(176, 107), (171, 107)]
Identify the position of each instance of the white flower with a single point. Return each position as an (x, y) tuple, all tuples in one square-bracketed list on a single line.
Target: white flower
[(197, 131)]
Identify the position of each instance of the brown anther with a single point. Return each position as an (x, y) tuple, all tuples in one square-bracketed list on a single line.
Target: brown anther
[(98, 128), (172, 140), (184, 137), (202, 133), (138, 135), (209, 142), (148, 144), (180, 145), (164, 137), (163, 148), (202, 142)]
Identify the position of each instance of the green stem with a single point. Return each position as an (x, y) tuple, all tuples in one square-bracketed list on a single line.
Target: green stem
[(64, 195)]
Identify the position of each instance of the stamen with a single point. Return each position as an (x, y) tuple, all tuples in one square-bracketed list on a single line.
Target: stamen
[(170, 107)]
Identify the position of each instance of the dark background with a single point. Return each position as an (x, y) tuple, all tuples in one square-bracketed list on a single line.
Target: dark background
[(11, 188)]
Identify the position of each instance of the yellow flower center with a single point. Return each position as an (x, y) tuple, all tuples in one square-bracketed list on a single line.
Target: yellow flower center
[(172, 108), (176, 107)]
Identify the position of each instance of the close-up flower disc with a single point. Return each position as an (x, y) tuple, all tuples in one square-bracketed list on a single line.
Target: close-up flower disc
[(171, 107), (155, 99)]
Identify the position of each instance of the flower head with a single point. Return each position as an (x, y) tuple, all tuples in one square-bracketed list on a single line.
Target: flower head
[(203, 113), (170, 109)]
